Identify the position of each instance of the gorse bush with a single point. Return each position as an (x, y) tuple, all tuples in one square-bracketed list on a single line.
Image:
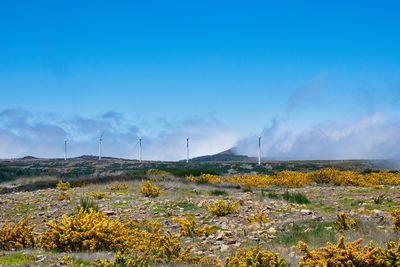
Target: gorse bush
[(260, 217), (17, 236), (117, 186), (294, 179), (63, 186), (66, 260), (396, 219), (63, 196), (350, 254), (188, 228), (204, 178), (121, 261), (296, 197), (222, 208), (84, 231), (145, 225), (255, 257), (92, 230), (343, 223), (78, 184), (154, 172), (97, 195), (149, 190)]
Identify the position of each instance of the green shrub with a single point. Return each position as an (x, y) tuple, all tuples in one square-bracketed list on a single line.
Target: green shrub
[(273, 195), (183, 172), (247, 190), (86, 204), (218, 192), (296, 197)]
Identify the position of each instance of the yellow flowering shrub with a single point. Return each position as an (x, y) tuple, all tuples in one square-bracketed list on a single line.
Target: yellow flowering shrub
[(290, 179), (117, 186), (255, 257), (97, 195), (63, 195), (284, 178), (251, 180), (63, 186), (17, 236), (160, 247), (154, 172), (350, 254), (324, 176), (66, 260), (300, 179), (121, 261), (260, 218), (145, 224), (149, 190), (396, 219), (188, 228), (84, 231), (205, 178), (343, 223), (78, 184), (222, 208), (389, 178), (92, 230)]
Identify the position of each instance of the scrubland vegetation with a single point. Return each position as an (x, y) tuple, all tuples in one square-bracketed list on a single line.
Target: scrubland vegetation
[(285, 218)]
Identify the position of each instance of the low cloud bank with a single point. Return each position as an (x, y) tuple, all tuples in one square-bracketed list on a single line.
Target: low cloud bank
[(374, 136), (23, 133)]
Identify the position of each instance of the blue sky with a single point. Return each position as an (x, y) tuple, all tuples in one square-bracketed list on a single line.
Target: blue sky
[(170, 69)]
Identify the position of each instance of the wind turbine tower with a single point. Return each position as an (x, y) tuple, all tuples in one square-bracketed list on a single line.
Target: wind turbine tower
[(187, 149), (259, 150), (140, 149), (100, 141), (65, 149)]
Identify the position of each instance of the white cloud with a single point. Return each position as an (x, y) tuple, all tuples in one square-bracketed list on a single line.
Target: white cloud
[(23, 133), (375, 136)]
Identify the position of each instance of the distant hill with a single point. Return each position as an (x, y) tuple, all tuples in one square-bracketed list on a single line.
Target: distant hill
[(29, 157), (226, 155)]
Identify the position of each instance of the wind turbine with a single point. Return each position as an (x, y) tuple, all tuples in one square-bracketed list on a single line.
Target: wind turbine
[(259, 149), (140, 149), (187, 149), (65, 149), (100, 140)]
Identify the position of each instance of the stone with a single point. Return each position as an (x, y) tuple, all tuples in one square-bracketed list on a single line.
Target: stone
[(40, 258), (109, 212), (377, 212), (220, 235), (224, 248), (307, 212)]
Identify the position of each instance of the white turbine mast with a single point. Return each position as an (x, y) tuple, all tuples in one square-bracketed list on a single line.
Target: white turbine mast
[(100, 141), (259, 149), (65, 149), (140, 148), (187, 149)]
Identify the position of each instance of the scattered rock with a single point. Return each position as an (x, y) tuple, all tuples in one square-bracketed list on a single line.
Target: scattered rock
[(307, 212), (224, 248), (40, 258), (220, 235)]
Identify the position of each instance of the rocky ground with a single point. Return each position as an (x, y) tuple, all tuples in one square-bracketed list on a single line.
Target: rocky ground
[(289, 222)]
